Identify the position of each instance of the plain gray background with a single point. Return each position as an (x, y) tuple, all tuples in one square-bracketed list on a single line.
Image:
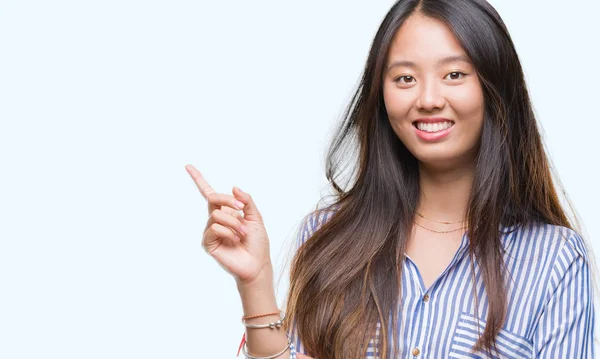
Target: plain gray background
[(102, 103)]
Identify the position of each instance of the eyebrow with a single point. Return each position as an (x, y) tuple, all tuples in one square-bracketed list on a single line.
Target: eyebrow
[(445, 60)]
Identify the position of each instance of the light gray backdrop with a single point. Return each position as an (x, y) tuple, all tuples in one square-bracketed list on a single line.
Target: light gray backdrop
[(102, 103)]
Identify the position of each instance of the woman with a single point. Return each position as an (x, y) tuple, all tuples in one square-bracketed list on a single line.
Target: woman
[(449, 239)]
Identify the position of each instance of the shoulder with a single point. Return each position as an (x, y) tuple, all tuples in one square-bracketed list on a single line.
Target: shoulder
[(572, 258), (547, 253), (545, 239), (313, 221)]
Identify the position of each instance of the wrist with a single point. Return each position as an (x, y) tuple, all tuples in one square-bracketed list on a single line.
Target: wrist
[(258, 295), (262, 282)]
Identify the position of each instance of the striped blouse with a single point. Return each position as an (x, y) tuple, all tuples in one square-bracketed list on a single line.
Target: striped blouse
[(550, 306)]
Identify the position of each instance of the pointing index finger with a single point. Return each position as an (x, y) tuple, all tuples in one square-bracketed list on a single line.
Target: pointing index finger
[(203, 186)]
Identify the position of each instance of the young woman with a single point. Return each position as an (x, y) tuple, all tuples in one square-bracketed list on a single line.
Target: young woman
[(449, 239)]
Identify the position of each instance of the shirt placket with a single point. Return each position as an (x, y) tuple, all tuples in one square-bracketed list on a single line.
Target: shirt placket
[(424, 311), (425, 305)]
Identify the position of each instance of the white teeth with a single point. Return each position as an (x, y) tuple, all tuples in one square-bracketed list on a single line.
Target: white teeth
[(433, 127)]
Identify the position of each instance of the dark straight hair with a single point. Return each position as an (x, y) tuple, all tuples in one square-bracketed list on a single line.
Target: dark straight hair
[(346, 276)]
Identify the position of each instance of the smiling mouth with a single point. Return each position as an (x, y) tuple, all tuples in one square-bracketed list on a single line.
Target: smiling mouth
[(433, 127)]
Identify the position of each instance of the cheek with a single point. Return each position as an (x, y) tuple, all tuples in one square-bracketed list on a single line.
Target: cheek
[(397, 106), (468, 103)]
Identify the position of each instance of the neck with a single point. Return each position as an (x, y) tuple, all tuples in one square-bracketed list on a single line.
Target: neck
[(445, 193)]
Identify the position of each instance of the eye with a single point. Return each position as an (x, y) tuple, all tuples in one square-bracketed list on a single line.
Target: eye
[(457, 73), (406, 77)]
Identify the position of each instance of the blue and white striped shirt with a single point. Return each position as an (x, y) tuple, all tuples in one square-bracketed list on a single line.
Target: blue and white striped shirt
[(550, 306)]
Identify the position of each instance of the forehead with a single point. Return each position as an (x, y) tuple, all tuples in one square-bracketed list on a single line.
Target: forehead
[(425, 41)]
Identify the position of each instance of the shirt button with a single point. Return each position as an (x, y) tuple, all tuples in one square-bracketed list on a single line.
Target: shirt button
[(416, 352), (426, 298)]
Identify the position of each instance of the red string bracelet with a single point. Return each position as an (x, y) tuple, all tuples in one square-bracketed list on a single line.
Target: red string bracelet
[(242, 343), (259, 315)]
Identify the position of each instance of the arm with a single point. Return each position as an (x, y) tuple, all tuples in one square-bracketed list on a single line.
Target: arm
[(240, 244), (256, 299), (262, 299), (566, 327)]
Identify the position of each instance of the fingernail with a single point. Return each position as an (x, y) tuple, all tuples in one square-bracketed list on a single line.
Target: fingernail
[(239, 204)]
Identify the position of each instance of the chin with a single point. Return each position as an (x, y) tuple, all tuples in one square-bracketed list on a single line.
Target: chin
[(444, 159), (438, 158)]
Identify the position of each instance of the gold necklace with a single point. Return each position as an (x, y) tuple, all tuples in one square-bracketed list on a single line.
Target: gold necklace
[(433, 220), (433, 230)]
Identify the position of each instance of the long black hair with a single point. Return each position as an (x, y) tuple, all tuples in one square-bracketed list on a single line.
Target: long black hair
[(346, 277)]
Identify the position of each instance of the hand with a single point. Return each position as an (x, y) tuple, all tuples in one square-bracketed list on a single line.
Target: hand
[(238, 242)]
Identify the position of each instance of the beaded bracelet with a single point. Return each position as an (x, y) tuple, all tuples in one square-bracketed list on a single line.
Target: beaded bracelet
[(272, 325)]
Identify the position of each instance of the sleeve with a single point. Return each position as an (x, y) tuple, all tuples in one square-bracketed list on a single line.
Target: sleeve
[(292, 350), (566, 326)]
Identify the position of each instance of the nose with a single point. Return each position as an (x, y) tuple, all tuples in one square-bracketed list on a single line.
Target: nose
[(430, 97)]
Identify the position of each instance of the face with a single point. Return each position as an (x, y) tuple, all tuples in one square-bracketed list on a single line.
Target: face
[(432, 94)]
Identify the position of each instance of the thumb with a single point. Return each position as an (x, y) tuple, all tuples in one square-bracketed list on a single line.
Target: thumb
[(251, 212)]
